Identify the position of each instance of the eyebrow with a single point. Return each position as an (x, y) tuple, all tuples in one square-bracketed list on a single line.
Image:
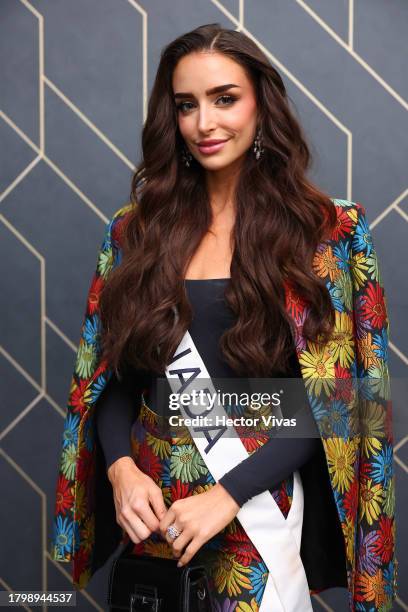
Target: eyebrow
[(213, 90)]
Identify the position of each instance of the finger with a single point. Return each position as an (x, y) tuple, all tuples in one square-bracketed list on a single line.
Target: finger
[(157, 501), (181, 542), (190, 551), (144, 512), (171, 539), (136, 529), (167, 520)]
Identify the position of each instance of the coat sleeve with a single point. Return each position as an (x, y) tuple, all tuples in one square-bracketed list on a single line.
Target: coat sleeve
[(73, 533), (375, 565)]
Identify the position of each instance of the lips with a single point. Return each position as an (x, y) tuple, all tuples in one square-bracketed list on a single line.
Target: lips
[(211, 146), (208, 143)]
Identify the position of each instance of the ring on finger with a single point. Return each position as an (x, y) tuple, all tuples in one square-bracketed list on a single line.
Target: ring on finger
[(173, 532)]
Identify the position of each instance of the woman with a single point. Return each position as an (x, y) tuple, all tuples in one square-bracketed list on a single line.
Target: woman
[(300, 278)]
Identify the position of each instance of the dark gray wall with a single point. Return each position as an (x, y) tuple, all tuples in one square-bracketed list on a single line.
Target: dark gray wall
[(72, 92)]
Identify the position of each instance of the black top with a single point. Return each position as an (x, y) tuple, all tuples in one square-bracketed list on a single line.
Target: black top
[(261, 471)]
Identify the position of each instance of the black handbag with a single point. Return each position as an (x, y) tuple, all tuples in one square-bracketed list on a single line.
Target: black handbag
[(140, 583)]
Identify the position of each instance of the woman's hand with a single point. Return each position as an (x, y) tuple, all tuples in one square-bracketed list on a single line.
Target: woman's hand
[(138, 500), (199, 517)]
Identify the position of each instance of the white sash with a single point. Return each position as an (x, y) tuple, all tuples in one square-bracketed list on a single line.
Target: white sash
[(276, 539)]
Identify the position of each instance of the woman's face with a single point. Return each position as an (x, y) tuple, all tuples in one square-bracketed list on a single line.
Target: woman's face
[(228, 114)]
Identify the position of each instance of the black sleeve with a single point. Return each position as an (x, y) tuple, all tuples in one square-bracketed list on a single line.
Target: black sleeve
[(267, 466), (279, 457), (116, 410)]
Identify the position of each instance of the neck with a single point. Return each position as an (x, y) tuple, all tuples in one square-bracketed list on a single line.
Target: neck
[(221, 189)]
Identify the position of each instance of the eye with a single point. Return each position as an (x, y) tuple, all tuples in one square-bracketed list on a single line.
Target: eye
[(227, 97), (180, 106), (230, 100)]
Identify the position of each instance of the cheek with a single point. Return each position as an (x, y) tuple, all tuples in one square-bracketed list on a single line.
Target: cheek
[(243, 116), (186, 125)]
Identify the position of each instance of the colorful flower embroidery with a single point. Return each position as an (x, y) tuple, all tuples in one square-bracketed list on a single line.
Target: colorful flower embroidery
[(186, 463), (341, 457), (259, 577), (371, 500), (231, 575)]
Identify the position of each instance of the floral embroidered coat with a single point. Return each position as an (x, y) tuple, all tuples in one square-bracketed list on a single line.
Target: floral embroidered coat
[(360, 467)]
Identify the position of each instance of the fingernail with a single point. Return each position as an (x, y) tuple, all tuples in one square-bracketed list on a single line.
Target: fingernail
[(179, 564)]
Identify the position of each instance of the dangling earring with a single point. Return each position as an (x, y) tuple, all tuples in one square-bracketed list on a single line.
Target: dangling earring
[(186, 156), (258, 150)]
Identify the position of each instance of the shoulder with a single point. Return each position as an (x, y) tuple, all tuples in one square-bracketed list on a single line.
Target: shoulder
[(115, 224), (347, 211), (120, 214), (341, 205), (348, 206), (350, 215)]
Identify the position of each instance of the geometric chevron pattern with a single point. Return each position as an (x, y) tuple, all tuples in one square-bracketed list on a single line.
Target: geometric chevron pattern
[(75, 80)]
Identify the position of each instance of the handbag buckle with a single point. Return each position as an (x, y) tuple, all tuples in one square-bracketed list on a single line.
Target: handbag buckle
[(201, 593), (145, 599)]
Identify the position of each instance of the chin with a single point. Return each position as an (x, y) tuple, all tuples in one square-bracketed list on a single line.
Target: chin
[(219, 164)]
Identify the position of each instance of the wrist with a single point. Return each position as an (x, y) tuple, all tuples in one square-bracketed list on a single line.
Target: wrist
[(122, 463), (226, 496)]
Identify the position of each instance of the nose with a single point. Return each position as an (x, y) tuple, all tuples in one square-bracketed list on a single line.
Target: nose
[(206, 119)]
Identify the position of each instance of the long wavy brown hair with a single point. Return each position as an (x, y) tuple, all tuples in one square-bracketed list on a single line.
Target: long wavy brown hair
[(281, 218)]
